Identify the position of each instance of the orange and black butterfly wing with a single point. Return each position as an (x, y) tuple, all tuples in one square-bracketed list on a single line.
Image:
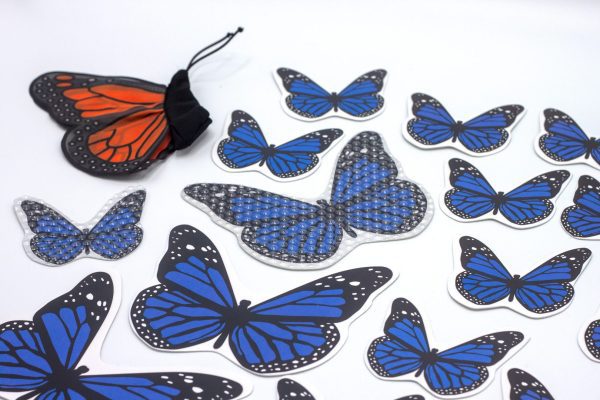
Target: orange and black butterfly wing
[(117, 125)]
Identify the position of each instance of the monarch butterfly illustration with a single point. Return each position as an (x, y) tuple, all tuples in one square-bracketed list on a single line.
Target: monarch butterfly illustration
[(121, 125)]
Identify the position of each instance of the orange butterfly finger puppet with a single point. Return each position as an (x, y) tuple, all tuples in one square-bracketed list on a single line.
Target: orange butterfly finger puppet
[(121, 125)]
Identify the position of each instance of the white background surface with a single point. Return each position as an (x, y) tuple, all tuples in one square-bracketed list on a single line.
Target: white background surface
[(471, 55)]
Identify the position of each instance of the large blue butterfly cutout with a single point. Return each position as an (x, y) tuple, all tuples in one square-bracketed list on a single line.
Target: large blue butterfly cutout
[(195, 303), (366, 195), (545, 289), (54, 240), (247, 146), (405, 349), (592, 339), (432, 126), (582, 220), (563, 141), (41, 357), (472, 197), (524, 386), (306, 99)]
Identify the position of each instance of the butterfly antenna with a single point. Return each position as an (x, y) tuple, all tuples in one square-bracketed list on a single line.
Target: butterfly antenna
[(224, 41)]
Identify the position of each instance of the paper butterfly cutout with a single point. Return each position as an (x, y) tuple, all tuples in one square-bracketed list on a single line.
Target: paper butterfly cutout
[(589, 340), (52, 239), (524, 386), (288, 389), (121, 125), (433, 127), (43, 357), (564, 142), (367, 203), (582, 220), (304, 99), (246, 146), (544, 291), (473, 198), (454, 372), (195, 304)]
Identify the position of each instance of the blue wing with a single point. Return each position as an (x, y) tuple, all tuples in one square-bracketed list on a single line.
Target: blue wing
[(68, 324), (463, 368), (472, 195), (195, 294), (366, 191), (564, 140), (297, 328), (299, 156), (404, 345), (159, 386), (485, 280), (275, 226), (361, 98), (246, 144), (592, 339), (524, 386), (289, 389), (582, 220), (117, 233), (305, 98), (432, 124), (56, 240), (547, 288), (489, 131), (530, 202)]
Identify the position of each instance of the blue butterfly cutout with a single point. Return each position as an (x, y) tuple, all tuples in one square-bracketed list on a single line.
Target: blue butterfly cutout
[(591, 339), (195, 303), (582, 220), (472, 197), (54, 240), (524, 386), (289, 389), (405, 349), (247, 146), (563, 141), (307, 100), (544, 290), (432, 126), (366, 195), (41, 357)]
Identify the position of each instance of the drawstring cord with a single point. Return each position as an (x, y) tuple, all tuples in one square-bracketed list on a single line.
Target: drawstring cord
[(227, 38)]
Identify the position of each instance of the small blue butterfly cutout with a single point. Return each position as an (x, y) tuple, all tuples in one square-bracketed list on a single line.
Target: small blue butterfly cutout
[(41, 358), (582, 220), (366, 196), (246, 146), (195, 303), (305, 99), (591, 339), (524, 386), (52, 239), (546, 289), (473, 198), (432, 127), (405, 350), (564, 142)]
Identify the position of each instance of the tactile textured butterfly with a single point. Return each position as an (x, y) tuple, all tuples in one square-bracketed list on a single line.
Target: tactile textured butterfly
[(304, 99), (590, 340), (431, 126), (485, 283), (120, 125), (367, 203), (245, 146), (48, 358), (473, 198), (582, 220), (564, 142), (288, 389), (52, 239), (457, 371), (523, 386), (194, 304)]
